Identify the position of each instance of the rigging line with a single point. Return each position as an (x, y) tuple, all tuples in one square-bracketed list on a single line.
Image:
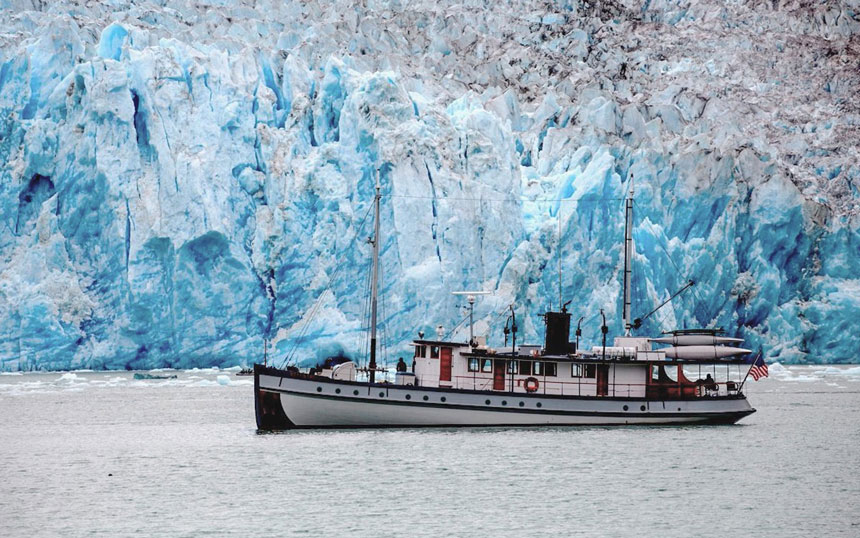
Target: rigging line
[(508, 200), (456, 327), (365, 318), (383, 342), (496, 319), (678, 271), (331, 280)]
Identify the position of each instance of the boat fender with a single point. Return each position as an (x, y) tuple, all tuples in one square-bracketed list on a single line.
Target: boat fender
[(531, 384)]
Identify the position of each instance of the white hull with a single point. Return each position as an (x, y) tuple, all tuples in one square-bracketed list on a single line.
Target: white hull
[(309, 403), (704, 353), (696, 340)]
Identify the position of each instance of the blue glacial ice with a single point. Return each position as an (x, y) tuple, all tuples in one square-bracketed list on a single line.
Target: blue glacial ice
[(180, 183)]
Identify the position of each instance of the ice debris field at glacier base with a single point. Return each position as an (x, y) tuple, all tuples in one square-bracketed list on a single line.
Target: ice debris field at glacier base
[(180, 183)]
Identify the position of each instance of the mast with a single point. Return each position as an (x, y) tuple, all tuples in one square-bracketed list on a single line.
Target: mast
[(628, 254), (374, 281)]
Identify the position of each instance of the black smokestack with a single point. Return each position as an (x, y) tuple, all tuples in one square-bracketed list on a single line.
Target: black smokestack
[(557, 333)]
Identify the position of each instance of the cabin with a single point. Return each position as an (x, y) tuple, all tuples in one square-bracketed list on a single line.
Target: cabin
[(630, 368)]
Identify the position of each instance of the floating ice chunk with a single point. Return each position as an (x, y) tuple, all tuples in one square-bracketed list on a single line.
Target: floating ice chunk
[(776, 369), (223, 380)]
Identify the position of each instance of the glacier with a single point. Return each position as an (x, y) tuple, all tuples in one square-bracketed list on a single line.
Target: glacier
[(185, 184)]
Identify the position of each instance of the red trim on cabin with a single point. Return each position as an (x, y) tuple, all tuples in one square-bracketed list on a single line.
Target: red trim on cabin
[(445, 364), (498, 374)]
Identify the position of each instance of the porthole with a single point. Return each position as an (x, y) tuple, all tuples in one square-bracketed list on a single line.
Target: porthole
[(679, 409), (382, 395), (426, 398), (642, 408), (443, 398), (504, 402), (522, 404), (408, 397), (355, 392), (626, 408), (319, 389), (487, 402), (539, 404), (337, 391)]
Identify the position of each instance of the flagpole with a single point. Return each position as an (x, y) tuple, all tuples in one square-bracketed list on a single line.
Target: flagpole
[(752, 365)]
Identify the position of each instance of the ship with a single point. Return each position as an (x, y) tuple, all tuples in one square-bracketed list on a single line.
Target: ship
[(698, 379)]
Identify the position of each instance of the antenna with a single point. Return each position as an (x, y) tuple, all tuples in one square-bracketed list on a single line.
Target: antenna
[(470, 297)]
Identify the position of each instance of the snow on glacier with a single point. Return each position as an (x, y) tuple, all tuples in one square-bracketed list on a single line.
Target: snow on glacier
[(180, 183)]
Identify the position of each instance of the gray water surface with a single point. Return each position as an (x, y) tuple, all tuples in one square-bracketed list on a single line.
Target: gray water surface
[(102, 454)]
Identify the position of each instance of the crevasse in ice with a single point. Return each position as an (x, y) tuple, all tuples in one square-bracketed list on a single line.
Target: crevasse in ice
[(180, 183)]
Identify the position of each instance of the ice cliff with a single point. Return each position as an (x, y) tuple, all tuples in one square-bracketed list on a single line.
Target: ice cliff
[(181, 181)]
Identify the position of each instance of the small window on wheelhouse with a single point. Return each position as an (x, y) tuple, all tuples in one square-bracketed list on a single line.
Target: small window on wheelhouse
[(486, 365), (525, 368), (671, 372), (550, 369), (512, 367), (537, 369), (575, 370), (420, 351), (434, 352), (473, 365)]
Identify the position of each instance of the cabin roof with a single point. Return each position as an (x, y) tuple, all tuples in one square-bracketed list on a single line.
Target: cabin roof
[(597, 359), (438, 343)]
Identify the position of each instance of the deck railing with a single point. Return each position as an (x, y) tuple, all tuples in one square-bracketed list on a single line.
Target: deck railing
[(589, 387)]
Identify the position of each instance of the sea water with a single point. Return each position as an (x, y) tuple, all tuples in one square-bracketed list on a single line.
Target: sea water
[(89, 454)]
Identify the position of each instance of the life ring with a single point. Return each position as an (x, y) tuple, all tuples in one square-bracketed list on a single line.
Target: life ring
[(531, 384)]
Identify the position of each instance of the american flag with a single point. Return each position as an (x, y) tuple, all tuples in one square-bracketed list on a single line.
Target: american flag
[(758, 368)]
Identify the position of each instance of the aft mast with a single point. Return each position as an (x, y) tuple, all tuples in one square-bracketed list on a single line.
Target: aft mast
[(628, 254), (374, 281)]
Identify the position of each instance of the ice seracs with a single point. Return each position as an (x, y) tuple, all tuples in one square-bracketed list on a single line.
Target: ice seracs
[(168, 174)]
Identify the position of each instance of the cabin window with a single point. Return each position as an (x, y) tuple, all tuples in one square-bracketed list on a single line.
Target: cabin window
[(420, 351), (655, 372), (434, 352), (473, 365), (582, 370), (486, 365), (671, 372), (545, 368), (512, 367), (525, 368)]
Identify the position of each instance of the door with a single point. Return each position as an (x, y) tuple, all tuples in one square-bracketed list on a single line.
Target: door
[(602, 379), (498, 375), (445, 364)]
